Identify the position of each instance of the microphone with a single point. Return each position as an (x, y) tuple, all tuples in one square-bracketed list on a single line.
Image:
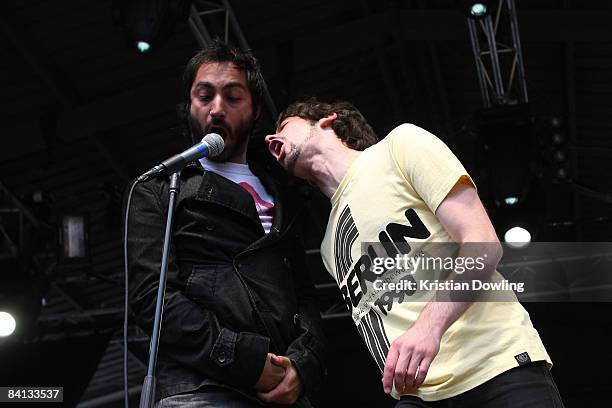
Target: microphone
[(211, 145)]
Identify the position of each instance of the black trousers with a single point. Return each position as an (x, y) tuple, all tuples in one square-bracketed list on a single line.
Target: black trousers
[(528, 386), (211, 396)]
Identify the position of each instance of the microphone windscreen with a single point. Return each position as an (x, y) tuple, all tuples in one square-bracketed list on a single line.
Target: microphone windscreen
[(215, 144)]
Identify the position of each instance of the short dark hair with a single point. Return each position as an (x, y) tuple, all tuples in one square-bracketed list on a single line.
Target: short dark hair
[(218, 51), (350, 126)]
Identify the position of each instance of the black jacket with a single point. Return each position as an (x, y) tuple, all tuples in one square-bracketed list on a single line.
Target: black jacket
[(234, 293)]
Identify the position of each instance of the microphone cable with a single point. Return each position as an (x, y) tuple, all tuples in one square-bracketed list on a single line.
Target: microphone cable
[(125, 296)]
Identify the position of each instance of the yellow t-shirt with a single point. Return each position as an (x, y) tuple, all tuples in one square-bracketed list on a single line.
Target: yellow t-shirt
[(390, 194)]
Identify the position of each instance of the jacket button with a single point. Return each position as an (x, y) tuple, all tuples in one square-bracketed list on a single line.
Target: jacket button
[(221, 357), (239, 265), (287, 262), (210, 227)]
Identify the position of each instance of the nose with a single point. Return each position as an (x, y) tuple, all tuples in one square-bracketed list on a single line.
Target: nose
[(217, 109)]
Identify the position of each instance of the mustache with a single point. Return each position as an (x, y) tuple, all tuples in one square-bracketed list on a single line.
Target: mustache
[(217, 123), (197, 131)]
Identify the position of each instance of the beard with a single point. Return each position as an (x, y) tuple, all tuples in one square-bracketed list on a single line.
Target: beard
[(292, 158), (296, 151), (235, 139)]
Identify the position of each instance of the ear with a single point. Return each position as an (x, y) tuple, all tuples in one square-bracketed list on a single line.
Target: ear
[(327, 121)]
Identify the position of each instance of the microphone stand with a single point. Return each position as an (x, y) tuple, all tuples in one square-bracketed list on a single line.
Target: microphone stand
[(147, 396)]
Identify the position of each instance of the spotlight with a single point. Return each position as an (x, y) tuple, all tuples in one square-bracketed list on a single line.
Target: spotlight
[(517, 237), (478, 10), (553, 148), (557, 139), (562, 173), (148, 23), (555, 122), (7, 324), (518, 220), (143, 46), (559, 156), (511, 200)]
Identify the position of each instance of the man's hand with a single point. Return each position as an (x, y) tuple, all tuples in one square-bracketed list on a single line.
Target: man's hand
[(271, 375), (410, 356), (289, 389)]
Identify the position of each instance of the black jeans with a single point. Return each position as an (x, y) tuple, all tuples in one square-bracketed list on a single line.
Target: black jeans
[(213, 397), (528, 386)]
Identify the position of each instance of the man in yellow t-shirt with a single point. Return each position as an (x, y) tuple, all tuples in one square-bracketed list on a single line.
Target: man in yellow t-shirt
[(396, 200)]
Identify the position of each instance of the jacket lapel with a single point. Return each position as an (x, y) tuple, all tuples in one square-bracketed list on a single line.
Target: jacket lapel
[(221, 191)]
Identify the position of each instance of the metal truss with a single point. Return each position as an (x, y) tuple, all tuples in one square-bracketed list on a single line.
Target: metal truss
[(223, 11), (7, 198), (500, 69)]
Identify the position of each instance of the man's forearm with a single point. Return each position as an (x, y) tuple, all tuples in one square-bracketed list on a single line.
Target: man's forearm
[(439, 314), (437, 317)]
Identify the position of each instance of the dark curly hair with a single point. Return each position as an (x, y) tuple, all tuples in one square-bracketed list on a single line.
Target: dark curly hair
[(218, 51), (350, 126)]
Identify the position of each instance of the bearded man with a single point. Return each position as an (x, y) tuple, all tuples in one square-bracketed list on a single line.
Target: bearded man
[(240, 327)]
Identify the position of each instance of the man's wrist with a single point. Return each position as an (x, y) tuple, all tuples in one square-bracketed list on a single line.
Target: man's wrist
[(432, 321), (298, 376)]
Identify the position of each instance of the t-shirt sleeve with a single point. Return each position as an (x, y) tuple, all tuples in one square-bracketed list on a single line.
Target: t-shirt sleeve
[(427, 163)]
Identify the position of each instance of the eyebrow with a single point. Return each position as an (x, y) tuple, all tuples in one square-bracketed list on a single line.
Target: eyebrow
[(282, 125), (229, 85)]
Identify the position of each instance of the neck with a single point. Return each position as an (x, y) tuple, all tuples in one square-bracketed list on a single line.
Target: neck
[(329, 166), (238, 159)]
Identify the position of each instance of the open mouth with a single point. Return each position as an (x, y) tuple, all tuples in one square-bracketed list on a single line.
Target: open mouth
[(276, 150), (219, 130)]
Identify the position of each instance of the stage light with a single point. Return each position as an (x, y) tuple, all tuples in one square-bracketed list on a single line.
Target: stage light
[(74, 238), (143, 46), (517, 237), (147, 24), (559, 156), (7, 324), (478, 10), (555, 159), (555, 122), (511, 200), (562, 173)]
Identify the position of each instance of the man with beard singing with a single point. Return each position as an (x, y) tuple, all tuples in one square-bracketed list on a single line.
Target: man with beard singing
[(240, 326)]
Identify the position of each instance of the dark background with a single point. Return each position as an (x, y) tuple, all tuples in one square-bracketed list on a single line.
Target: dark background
[(82, 112)]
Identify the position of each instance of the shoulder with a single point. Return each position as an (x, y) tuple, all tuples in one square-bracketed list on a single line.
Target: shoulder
[(413, 134), (408, 140)]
